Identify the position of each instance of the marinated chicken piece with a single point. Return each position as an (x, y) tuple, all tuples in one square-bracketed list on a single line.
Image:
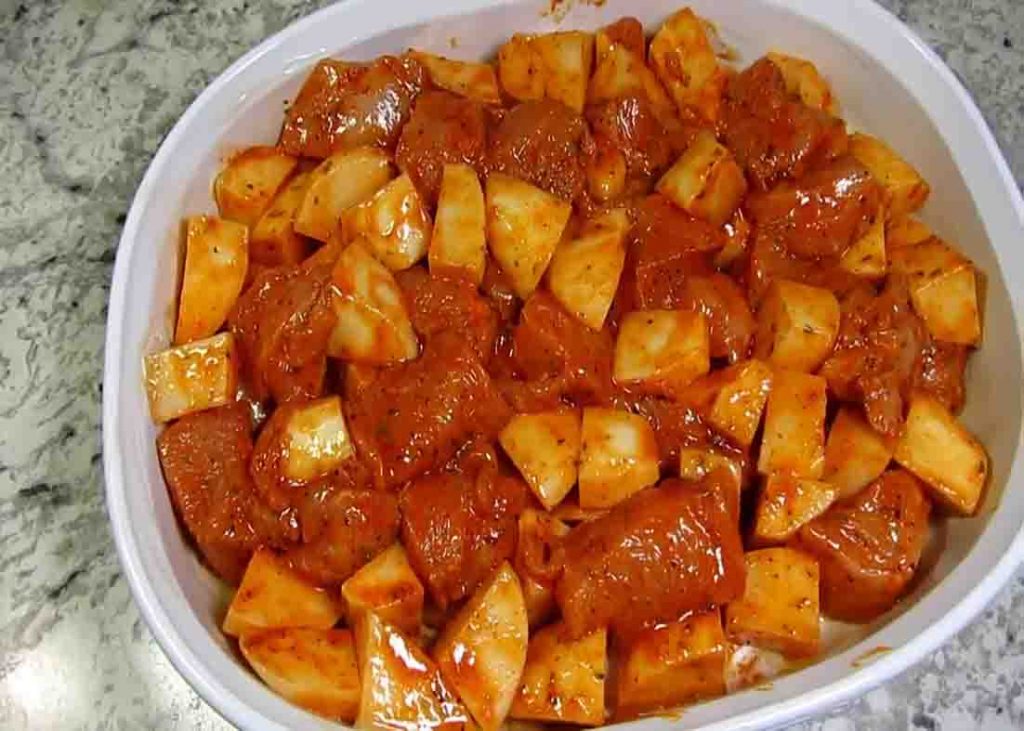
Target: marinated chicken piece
[(869, 547), (497, 287), (414, 417), (730, 322), (345, 105), (660, 553), (543, 143), (444, 128), (939, 371), (676, 425), (205, 459), (772, 134), (770, 260)]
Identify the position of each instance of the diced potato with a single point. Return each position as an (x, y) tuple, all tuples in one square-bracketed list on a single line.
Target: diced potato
[(192, 377), (696, 463), (466, 78), (855, 454), (563, 681), (520, 69), (939, 450), (620, 72), (794, 426), (272, 595), (797, 325), (661, 351), (216, 260), (482, 650), (524, 226), (394, 224), (619, 457), (536, 530), (803, 79), (313, 668), (748, 666), (674, 664), (905, 231), (738, 405), (584, 273), (245, 186), (343, 180), (459, 240), (402, 688), (779, 608), (545, 448), (626, 31), (550, 66), (906, 190), (786, 503), (389, 587), (373, 325), (685, 62), (943, 288), (705, 181), (273, 240), (866, 256), (316, 440)]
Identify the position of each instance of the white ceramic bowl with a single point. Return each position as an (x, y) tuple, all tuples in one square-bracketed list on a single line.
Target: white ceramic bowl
[(887, 81)]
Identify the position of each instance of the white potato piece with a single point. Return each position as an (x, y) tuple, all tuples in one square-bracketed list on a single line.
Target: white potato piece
[(470, 79), (373, 325), (313, 668), (938, 449), (273, 240), (401, 687), (316, 440), (866, 256), (905, 189), (272, 595), (459, 240), (584, 273), (618, 457), (786, 503), (194, 377), (550, 66), (685, 62), (797, 325), (943, 288), (748, 666), (482, 650), (343, 180), (388, 587), (563, 681), (246, 185), (905, 231), (739, 395), (705, 181), (621, 72), (216, 261), (524, 226), (661, 351), (536, 530), (804, 80), (545, 448), (794, 426), (855, 454), (520, 69), (394, 224)]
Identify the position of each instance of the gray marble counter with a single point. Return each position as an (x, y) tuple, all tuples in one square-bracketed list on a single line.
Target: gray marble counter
[(88, 88)]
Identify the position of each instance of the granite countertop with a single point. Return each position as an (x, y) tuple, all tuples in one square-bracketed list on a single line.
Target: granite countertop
[(87, 91)]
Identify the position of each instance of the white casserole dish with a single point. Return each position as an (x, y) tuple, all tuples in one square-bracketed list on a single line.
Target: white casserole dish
[(887, 82)]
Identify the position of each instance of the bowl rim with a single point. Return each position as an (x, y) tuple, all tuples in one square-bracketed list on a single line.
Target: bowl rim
[(236, 710)]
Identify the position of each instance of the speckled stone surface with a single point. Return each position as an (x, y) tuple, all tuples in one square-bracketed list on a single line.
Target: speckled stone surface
[(88, 88)]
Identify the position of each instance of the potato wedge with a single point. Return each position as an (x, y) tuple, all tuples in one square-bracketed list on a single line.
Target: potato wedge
[(193, 377), (786, 503), (618, 457), (545, 448), (459, 240), (794, 426), (621, 72), (313, 668), (470, 79), (685, 62), (943, 288), (661, 351), (584, 272), (343, 180), (388, 587), (373, 325), (316, 440), (551, 66), (273, 240), (563, 681), (272, 595), (524, 226), (482, 650), (805, 81), (866, 256), (394, 224), (401, 687), (741, 392), (216, 260), (855, 454), (537, 530), (246, 185), (674, 664), (797, 325), (939, 450), (779, 609), (905, 189), (705, 181)]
